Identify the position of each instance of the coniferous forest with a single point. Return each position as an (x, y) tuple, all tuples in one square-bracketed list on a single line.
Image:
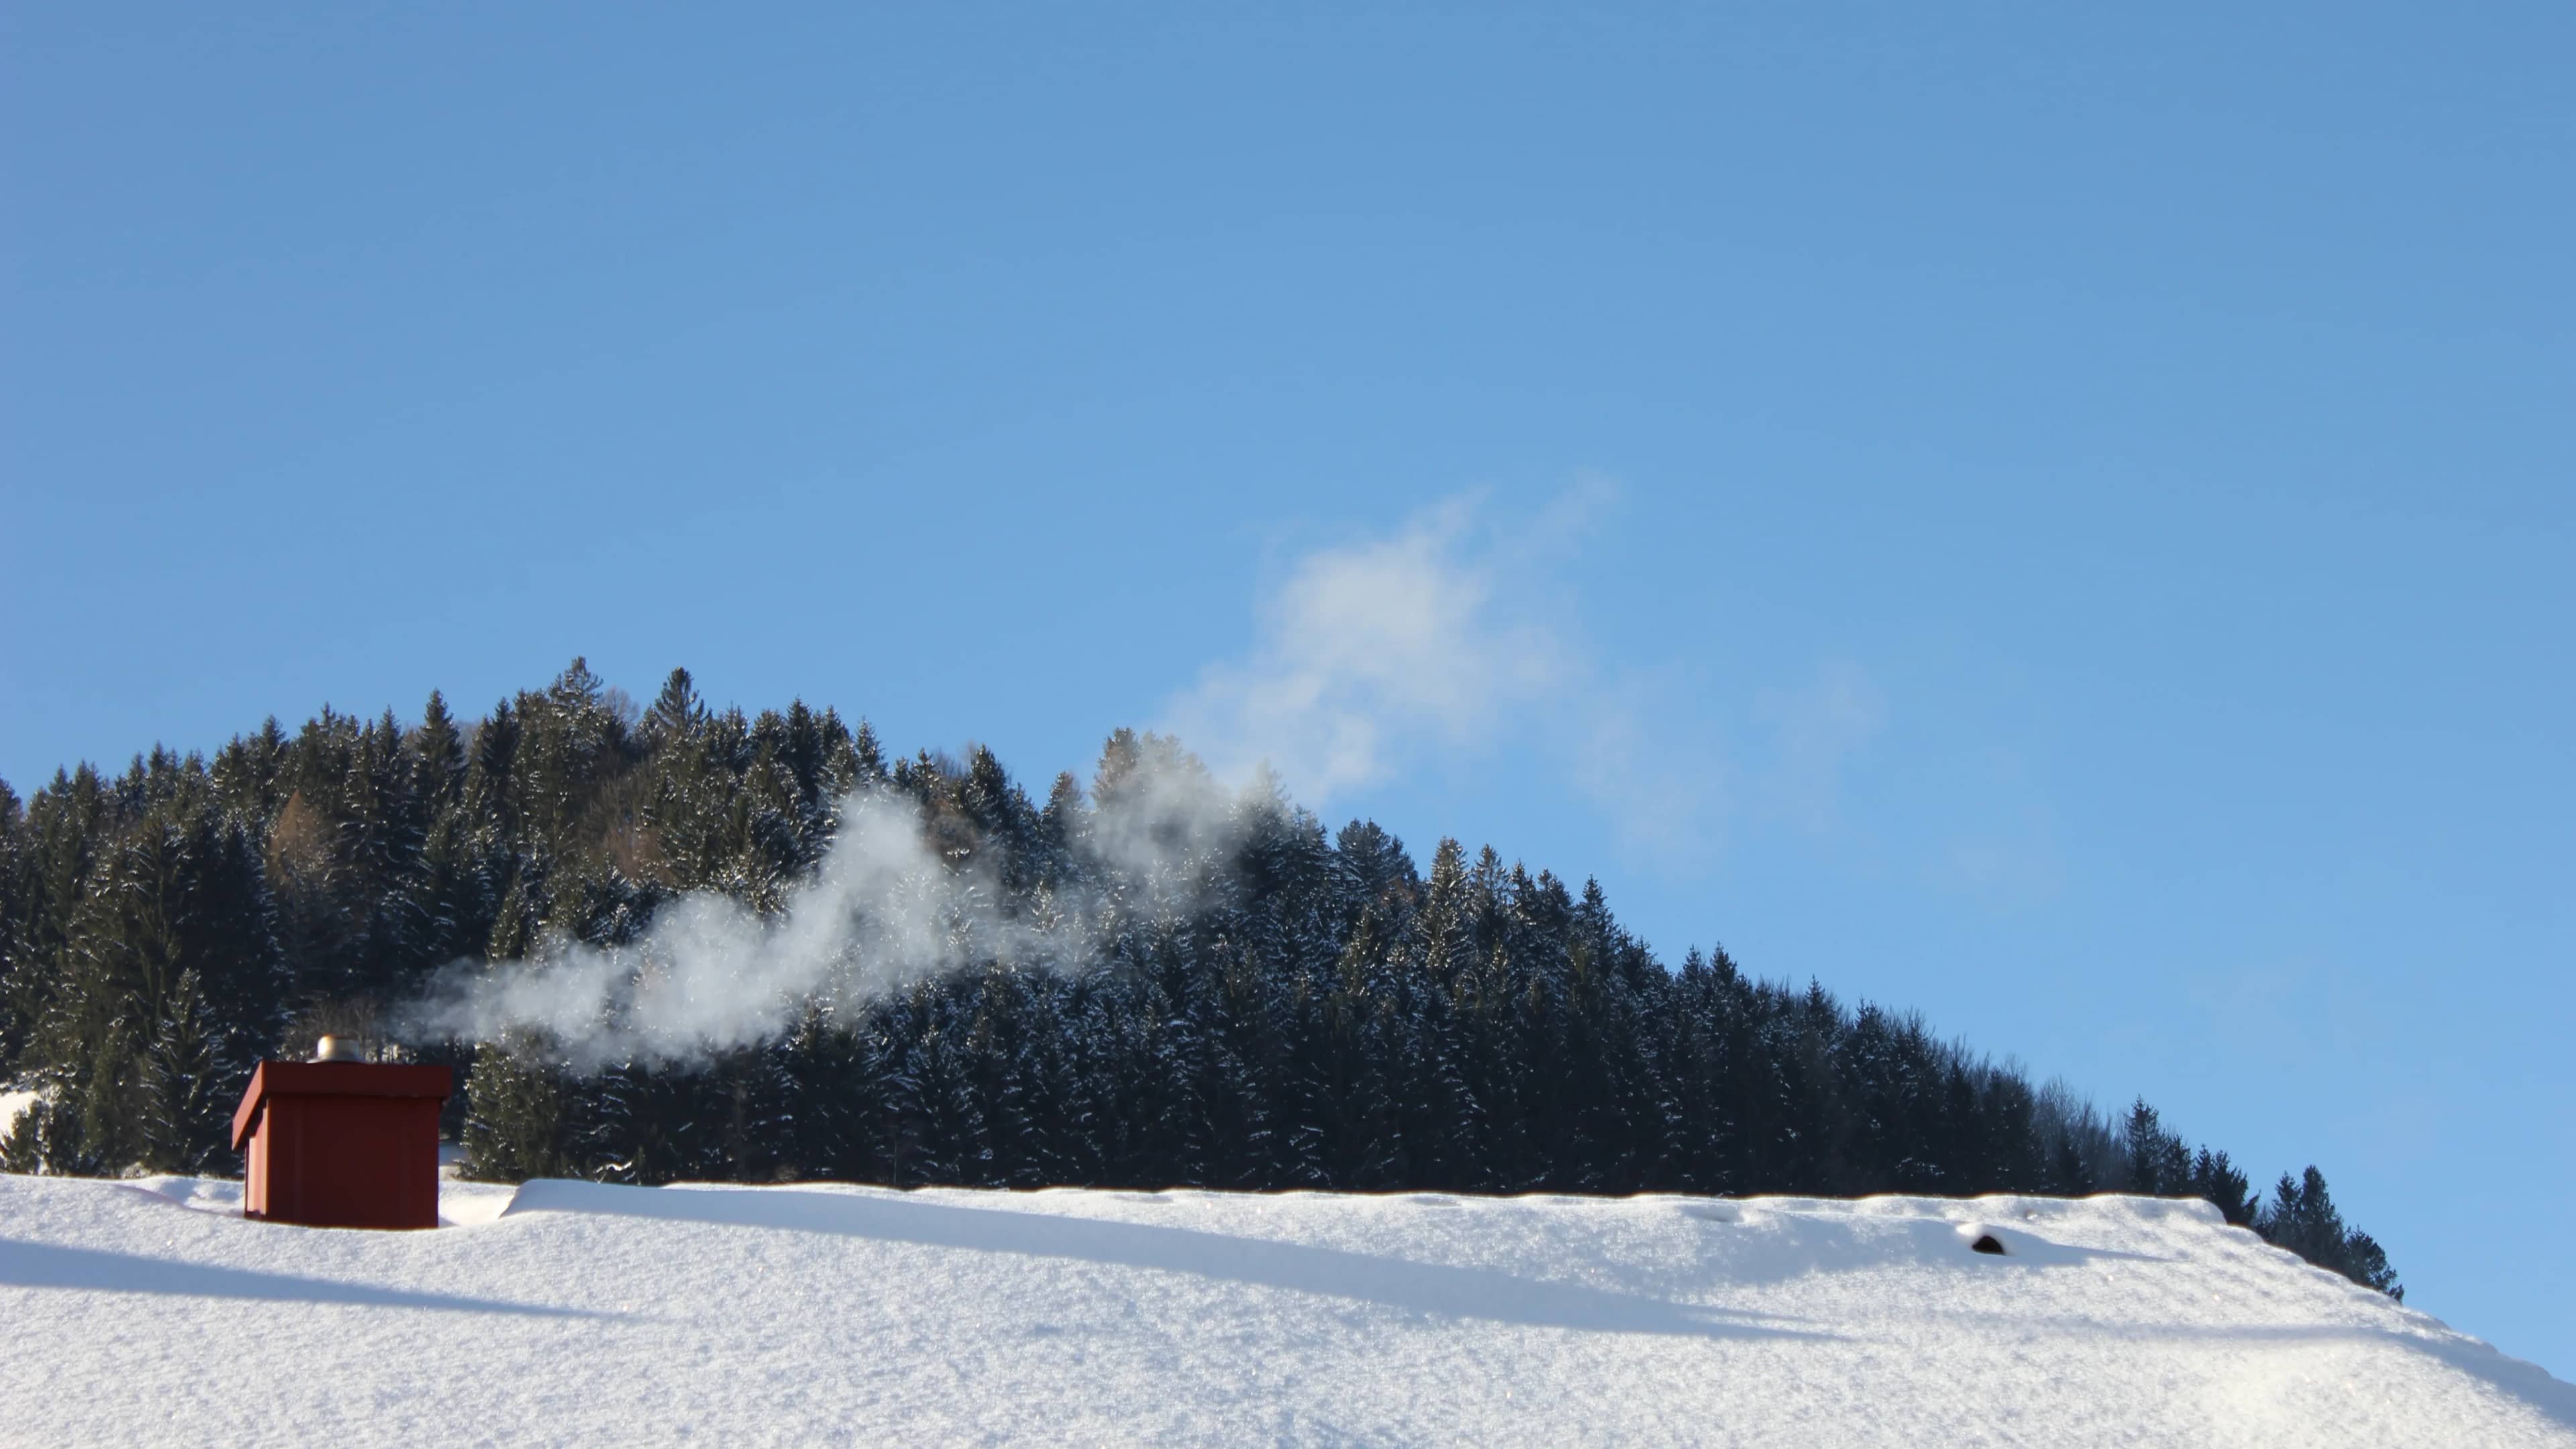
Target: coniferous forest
[(1316, 1011)]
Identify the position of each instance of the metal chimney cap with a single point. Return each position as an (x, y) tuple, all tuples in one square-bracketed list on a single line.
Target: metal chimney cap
[(336, 1049)]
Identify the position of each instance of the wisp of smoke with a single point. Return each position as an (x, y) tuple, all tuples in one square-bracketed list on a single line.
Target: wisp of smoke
[(884, 909), (1452, 638), (1371, 650)]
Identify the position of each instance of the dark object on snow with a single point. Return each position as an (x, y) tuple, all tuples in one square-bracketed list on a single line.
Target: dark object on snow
[(342, 1144), (1987, 1244)]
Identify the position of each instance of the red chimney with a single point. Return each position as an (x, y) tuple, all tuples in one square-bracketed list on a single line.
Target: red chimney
[(342, 1144)]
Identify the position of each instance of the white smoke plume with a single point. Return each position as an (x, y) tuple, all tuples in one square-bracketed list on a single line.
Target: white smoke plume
[(884, 909), (1372, 651), (1455, 637)]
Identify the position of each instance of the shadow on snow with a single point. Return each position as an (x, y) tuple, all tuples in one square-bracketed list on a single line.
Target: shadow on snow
[(51, 1265), (1427, 1288)]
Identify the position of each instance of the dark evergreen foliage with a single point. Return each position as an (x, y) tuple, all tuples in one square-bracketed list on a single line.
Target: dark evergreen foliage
[(1267, 1007), (2303, 1219)]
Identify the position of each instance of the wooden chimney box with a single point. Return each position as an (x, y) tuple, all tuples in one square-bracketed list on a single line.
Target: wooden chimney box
[(342, 1144)]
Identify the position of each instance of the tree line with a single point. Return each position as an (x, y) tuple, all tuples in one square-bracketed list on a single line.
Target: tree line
[(1272, 1006)]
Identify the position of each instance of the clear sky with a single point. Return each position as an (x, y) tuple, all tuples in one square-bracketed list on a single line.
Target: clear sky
[(2060, 520)]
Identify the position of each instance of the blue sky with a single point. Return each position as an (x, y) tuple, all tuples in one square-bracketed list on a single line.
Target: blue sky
[(2062, 521)]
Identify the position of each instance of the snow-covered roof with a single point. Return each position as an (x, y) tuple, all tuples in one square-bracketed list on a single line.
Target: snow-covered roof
[(573, 1313)]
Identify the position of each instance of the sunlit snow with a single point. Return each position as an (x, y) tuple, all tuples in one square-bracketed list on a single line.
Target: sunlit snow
[(150, 1313)]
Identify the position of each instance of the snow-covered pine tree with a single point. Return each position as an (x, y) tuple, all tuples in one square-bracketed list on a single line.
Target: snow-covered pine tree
[(185, 1104)]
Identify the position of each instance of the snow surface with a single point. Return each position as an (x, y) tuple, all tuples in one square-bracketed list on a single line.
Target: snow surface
[(149, 1312)]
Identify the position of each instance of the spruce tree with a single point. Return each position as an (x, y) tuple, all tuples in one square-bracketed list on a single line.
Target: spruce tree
[(187, 1097), (677, 714), (519, 1123), (2302, 1218), (438, 758), (2157, 1163)]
